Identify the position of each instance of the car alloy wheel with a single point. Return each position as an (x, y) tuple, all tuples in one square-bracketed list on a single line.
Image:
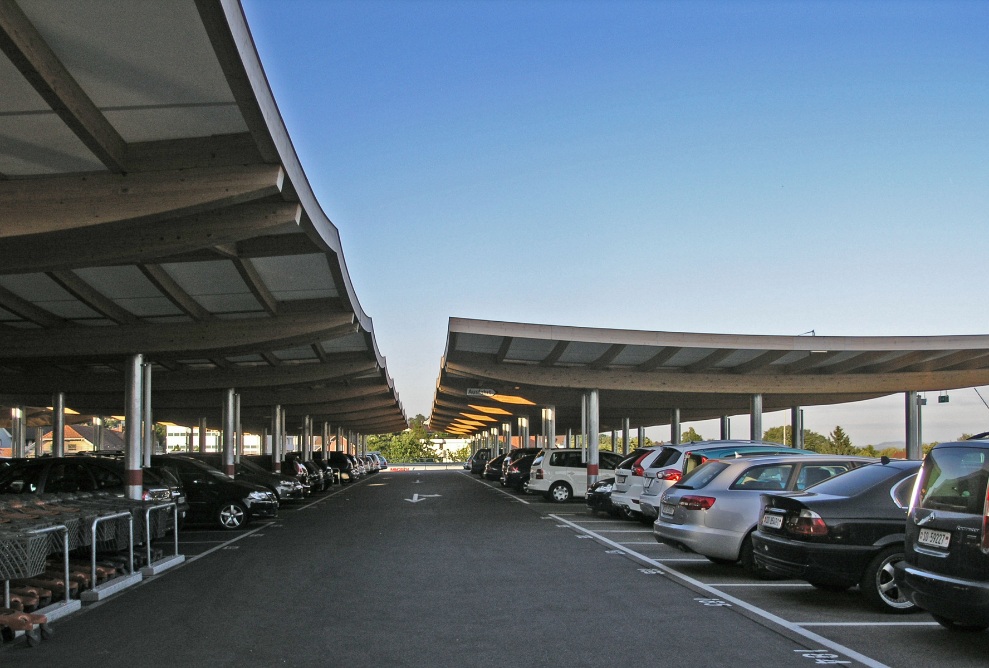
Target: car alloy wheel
[(232, 515), (878, 585), (560, 492)]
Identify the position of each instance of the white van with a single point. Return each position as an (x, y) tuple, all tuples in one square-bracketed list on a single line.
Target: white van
[(560, 475)]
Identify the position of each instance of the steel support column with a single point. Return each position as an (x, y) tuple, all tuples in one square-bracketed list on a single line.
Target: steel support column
[(755, 417), (797, 426), (625, 434), (202, 434), (725, 427), (146, 421), (913, 435), (593, 422), (58, 424), (549, 426), (228, 432), (675, 426), (238, 429), (132, 429)]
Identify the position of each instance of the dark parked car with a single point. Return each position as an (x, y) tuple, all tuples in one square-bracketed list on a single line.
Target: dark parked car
[(516, 473), (946, 564), (340, 461), (478, 460), (286, 488), (598, 497), (511, 457), (290, 467), (845, 531), (492, 470), (216, 498), (54, 475)]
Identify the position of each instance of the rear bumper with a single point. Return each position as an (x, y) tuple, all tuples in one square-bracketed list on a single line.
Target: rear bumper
[(814, 562), (963, 601), (702, 540)]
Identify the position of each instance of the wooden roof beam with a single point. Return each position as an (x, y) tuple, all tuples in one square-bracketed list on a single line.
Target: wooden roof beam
[(30, 54)]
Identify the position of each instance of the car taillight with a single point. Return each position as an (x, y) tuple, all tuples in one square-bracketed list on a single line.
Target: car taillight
[(697, 502), (807, 523), (539, 474), (513, 468), (637, 466), (669, 474), (146, 496)]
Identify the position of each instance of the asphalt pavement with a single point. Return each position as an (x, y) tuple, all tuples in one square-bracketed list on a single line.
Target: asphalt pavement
[(421, 569)]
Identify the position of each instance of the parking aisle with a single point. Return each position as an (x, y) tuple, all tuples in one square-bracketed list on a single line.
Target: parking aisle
[(415, 569), (842, 620)]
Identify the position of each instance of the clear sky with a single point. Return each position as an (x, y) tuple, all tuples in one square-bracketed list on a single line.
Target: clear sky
[(731, 167)]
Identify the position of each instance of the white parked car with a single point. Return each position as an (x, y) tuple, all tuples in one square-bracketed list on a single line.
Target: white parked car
[(715, 508), (630, 478), (675, 461), (560, 474)]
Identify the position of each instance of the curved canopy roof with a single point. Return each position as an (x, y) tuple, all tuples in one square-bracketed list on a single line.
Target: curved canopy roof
[(641, 376), (151, 202)]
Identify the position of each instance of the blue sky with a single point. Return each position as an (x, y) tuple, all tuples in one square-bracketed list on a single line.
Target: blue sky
[(731, 167)]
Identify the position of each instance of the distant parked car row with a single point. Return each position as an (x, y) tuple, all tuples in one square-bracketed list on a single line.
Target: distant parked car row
[(195, 481)]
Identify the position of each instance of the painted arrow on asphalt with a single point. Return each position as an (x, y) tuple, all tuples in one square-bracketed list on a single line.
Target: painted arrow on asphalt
[(416, 498)]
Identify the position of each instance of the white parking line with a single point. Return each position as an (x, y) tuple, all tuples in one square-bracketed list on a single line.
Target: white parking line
[(866, 623), (765, 614), (625, 531), (761, 584)]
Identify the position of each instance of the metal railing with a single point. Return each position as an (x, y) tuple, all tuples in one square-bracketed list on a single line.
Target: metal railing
[(147, 527), (130, 542), (65, 551)]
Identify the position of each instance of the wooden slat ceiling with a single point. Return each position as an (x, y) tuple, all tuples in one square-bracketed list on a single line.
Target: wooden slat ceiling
[(641, 376), (151, 202)]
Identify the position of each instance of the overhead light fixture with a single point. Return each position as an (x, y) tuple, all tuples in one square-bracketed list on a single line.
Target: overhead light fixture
[(512, 399), (493, 410), (482, 418)]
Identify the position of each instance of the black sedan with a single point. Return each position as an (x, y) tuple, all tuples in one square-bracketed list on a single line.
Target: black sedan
[(845, 531), (285, 487), (216, 498)]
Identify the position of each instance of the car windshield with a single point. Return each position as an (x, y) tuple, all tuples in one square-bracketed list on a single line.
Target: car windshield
[(955, 479), (251, 467)]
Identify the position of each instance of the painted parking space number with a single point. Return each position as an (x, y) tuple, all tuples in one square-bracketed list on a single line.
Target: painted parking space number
[(713, 602), (821, 656)]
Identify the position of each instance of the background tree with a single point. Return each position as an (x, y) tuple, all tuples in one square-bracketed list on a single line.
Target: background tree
[(690, 436), (812, 440), (836, 443)]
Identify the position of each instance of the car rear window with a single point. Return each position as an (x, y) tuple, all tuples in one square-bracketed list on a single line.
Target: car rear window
[(955, 479), (702, 475), (666, 457)]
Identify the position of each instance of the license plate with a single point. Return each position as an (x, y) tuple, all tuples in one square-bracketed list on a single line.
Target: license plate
[(772, 521), (667, 509), (934, 538), (621, 478)]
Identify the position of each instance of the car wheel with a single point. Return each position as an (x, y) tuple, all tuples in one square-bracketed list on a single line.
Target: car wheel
[(560, 492), (232, 515), (878, 585), (525, 487), (746, 558), (627, 513), (952, 625)]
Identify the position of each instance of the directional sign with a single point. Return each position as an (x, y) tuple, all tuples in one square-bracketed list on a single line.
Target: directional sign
[(416, 498), (479, 392)]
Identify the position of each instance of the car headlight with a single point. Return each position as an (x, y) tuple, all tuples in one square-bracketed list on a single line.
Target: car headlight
[(259, 496)]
